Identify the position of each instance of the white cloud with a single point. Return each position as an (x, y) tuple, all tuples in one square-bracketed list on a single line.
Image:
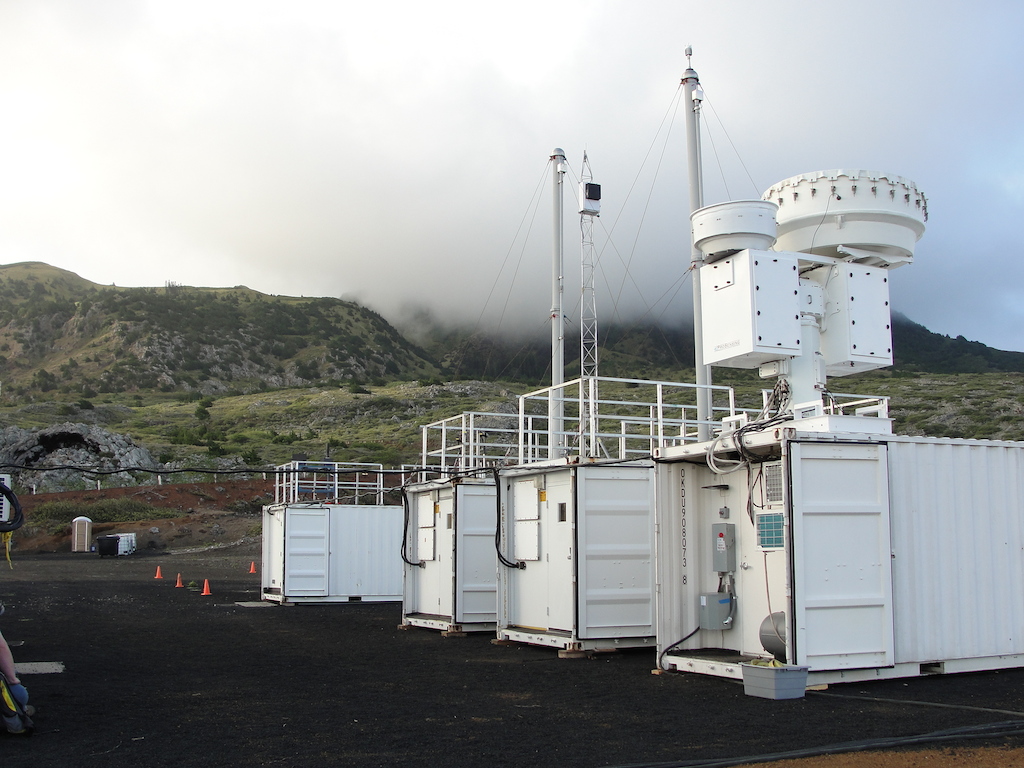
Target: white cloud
[(391, 150)]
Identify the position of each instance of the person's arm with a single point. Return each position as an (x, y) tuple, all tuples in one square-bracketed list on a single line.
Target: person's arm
[(7, 662)]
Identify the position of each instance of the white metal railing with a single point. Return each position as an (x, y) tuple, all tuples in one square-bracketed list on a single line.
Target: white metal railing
[(639, 416), (836, 403), (590, 416), (471, 440), (841, 404), (329, 482)]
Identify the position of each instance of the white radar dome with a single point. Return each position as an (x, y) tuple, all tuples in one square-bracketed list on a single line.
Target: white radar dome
[(723, 229), (877, 217)]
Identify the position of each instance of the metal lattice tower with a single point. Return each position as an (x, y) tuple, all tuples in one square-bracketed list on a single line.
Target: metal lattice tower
[(590, 198), (590, 208)]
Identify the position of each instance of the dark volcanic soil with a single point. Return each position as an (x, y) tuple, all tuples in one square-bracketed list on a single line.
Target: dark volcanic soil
[(161, 676)]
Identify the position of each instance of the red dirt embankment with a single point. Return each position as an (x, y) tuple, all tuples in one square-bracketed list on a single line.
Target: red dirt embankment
[(211, 513)]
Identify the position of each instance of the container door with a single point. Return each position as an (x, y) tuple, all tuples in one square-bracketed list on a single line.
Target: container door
[(425, 511), (559, 522), (615, 533), (444, 537), (841, 555), (306, 556), (272, 579), (476, 563), (526, 590)]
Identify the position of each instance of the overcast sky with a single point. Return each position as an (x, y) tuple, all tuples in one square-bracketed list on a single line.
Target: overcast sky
[(396, 153)]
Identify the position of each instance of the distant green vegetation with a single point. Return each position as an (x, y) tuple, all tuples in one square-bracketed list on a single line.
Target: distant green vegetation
[(227, 377), (62, 335), (56, 515)]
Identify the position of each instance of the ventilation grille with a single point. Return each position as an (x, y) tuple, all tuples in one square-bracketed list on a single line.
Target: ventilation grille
[(773, 485)]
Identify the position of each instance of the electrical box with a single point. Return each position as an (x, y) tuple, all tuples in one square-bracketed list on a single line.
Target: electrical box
[(590, 198), (855, 332), (750, 308), (716, 610), (5, 506), (723, 556)]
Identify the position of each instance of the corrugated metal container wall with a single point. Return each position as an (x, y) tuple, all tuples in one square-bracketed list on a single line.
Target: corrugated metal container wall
[(957, 512), (365, 542), (332, 552)]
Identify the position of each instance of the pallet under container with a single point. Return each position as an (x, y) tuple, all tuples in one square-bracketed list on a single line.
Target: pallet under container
[(578, 548), (327, 553), (451, 564), (859, 554)]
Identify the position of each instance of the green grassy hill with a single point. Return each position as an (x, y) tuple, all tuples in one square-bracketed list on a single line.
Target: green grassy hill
[(232, 377), (60, 334)]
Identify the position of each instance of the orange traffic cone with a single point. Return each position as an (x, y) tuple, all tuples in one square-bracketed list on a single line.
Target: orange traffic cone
[(206, 587), (179, 584), (159, 575), (252, 568)]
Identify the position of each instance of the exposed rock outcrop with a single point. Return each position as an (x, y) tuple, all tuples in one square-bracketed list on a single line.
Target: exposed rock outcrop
[(50, 459)]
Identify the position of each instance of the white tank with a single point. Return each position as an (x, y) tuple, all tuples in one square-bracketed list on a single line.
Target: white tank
[(723, 229), (879, 213)]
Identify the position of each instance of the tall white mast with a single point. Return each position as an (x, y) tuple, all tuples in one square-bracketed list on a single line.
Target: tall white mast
[(693, 95), (555, 406)]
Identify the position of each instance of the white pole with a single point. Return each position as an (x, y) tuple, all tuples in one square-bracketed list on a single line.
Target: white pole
[(693, 96), (555, 408)]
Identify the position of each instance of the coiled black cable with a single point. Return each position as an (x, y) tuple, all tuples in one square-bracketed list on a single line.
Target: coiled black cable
[(18, 517)]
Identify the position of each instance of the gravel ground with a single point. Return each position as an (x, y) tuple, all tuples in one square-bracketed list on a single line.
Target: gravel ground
[(161, 676)]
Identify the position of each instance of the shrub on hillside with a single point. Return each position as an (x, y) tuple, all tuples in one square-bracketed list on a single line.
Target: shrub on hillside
[(102, 511)]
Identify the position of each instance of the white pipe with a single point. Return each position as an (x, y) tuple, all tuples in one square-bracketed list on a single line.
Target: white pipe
[(555, 407), (693, 95)]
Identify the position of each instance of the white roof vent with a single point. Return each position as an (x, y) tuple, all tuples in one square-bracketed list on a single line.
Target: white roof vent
[(723, 229), (877, 218)]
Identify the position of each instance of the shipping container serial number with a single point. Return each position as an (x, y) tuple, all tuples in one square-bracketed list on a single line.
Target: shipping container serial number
[(682, 520)]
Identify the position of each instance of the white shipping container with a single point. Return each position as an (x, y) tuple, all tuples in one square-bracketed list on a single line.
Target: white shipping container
[(332, 553), (584, 534), (878, 556), (450, 583)]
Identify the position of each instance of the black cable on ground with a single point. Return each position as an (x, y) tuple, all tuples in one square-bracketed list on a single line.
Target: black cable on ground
[(987, 731), (918, 703), (677, 643)]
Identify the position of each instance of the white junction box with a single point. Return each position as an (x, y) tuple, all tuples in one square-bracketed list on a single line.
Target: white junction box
[(855, 330), (750, 308)]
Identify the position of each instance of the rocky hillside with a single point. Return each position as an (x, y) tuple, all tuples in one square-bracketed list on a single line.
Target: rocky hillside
[(62, 334)]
